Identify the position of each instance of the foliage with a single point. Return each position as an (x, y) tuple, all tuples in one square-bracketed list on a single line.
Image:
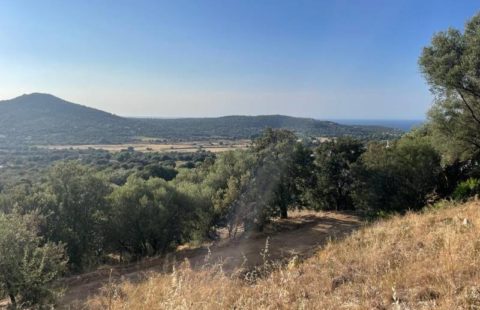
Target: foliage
[(466, 189), (150, 217), (451, 65), (28, 265), (76, 211), (334, 165), (399, 177)]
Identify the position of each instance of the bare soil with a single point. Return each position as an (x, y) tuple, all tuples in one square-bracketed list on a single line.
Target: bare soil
[(300, 235), (146, 146)]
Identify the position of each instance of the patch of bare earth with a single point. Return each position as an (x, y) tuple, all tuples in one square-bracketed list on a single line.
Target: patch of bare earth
[(425, 260), (300, 235)]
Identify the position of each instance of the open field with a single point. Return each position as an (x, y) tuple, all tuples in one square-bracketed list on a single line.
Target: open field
[(420, 261), (188, 146), (300, 235)]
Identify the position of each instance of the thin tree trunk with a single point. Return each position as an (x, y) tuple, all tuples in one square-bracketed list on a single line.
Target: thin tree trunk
[(283, 212), (13, 301)]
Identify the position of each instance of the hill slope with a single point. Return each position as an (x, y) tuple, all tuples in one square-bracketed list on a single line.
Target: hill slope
[(248, 126), (419, 261), (45, 119)]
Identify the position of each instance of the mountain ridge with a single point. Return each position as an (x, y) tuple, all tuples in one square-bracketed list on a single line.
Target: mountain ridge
[(41, 118)]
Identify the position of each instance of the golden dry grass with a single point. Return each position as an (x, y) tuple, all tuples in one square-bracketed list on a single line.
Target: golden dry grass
[(187, 147), (419, 261)]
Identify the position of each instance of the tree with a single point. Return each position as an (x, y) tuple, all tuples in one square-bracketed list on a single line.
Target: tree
[(150, 217), (334, 179), (28, 265), (273, 184), (397, 178), (76, 212), (451, 65)]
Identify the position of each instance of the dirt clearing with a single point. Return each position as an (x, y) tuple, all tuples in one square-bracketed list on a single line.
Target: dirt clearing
[(300, 235)]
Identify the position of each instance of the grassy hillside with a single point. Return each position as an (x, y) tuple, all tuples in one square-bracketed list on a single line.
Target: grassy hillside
[(46, 119), (419, 261)]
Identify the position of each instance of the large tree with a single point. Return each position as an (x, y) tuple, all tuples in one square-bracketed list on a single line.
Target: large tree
[(76, 211), (397, 178), (451, 65), (333, 173)]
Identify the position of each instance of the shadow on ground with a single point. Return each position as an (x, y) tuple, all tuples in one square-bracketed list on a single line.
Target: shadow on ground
[(301, 235)]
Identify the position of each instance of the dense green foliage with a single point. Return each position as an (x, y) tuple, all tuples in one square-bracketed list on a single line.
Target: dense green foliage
[(397, 178), (467, 189), (45, 119), (150, 217), (28, 264), (451, 65), (333, 176)]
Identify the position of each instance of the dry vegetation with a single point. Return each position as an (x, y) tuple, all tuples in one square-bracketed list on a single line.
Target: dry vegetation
[(149, 146), (418, 261)]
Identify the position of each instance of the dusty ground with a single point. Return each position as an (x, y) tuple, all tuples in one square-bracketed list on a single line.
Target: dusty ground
[(299, 235), (190, 146)]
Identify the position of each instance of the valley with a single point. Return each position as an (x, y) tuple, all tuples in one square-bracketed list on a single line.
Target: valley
[(214, 146)]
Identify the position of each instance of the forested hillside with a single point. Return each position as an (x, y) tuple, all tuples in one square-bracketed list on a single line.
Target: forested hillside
[(46, 119), (251, 126)]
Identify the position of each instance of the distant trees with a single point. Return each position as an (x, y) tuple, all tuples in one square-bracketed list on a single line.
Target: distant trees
[(28, 264)]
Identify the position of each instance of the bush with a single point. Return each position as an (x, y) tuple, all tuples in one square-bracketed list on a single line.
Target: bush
[(466, 189), (149, 217), (28, 266), (397, 178)]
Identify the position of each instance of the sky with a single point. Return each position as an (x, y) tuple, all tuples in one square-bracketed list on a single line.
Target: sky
[(321, 59)]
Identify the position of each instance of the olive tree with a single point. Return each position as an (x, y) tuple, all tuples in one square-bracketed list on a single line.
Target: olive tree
[(451, 65)]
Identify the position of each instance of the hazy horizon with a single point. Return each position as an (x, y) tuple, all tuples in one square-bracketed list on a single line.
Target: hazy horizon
[(341, 60)]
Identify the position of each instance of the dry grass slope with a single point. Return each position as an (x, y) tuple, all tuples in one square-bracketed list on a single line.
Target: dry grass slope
[(418, 261)]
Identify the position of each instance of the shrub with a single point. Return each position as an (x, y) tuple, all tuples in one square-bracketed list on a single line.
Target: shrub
[(466, 189), (28, 266)]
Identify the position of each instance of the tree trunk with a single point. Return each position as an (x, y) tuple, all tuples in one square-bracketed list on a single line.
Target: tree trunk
[(13, 301), (283, 212)]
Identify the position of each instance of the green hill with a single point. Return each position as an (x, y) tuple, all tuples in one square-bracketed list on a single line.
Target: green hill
[(248, 126), (45, 119)]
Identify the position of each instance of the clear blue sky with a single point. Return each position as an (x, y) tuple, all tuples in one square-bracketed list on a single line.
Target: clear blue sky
[(321, 59)]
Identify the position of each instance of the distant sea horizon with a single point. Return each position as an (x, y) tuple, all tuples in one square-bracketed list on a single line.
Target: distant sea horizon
[(403, 124)]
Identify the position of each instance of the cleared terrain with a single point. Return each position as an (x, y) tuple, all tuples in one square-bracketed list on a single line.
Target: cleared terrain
[(187, 146), (300, 236), (424, 260)]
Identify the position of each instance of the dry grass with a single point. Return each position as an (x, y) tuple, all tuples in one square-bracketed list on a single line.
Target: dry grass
[(187, 147), (418, 261)]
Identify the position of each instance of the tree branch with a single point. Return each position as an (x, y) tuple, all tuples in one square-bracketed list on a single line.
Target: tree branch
[(468, 107)]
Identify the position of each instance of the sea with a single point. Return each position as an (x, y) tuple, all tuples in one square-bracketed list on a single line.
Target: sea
[(403, 124)]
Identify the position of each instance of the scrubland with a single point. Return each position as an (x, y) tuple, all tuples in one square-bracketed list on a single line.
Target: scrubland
[(427, 260)]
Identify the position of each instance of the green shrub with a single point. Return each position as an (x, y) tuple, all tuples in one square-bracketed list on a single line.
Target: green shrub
[(466, 189), (28, 265)]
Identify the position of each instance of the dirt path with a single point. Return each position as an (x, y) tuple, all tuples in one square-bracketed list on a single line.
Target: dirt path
[(299, 235)]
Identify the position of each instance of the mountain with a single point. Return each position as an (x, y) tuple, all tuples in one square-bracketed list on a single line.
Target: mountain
[(45, 119), (248, 126)]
